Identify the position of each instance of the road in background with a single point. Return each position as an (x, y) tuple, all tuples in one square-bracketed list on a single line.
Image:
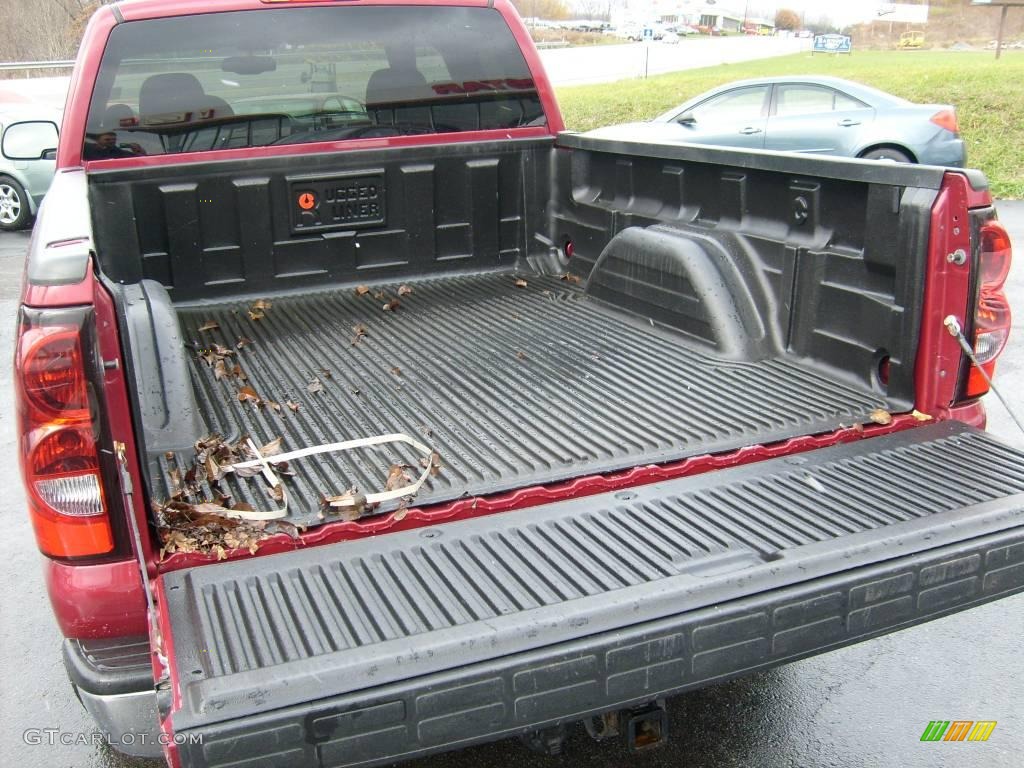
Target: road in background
[(565, 66), (866, 705), (607, 63)]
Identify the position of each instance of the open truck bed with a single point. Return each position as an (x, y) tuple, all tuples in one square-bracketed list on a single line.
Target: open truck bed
[(513, 385)]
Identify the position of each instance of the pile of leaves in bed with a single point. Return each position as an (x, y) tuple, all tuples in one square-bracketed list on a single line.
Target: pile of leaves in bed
[(189, 521)]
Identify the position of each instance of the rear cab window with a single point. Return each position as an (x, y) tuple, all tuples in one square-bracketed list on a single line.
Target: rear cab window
[(294, 75)]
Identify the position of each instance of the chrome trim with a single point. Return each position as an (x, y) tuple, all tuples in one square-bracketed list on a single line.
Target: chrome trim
[(129, 721)]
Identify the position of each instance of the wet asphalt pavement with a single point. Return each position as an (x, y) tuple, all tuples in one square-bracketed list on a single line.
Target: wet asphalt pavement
[(866, 705)]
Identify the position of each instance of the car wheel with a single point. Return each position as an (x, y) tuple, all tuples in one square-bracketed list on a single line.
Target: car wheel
[(885, 153), (14, 210)]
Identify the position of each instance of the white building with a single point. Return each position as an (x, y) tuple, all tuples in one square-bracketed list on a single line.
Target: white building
[(693, 12)]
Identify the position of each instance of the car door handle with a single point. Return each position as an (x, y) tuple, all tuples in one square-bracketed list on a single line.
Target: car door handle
[(749, 130), (848, 122)]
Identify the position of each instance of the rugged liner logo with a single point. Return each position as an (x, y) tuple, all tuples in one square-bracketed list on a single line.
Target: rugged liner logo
[(337, 203), (958, 730)]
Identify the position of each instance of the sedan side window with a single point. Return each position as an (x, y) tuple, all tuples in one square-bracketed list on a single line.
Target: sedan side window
[(736, 105), (844, 103), (803, 100)]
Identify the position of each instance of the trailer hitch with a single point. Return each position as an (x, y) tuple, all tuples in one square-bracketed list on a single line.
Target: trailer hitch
[(646, 727)]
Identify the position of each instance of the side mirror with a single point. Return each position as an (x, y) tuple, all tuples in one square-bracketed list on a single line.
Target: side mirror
[(29, 140), (687, 118)]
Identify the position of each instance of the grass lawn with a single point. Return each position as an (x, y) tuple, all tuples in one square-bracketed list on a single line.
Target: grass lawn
[(988, 94)]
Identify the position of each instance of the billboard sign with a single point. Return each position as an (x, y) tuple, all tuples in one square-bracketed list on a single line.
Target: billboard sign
[(832, 44)]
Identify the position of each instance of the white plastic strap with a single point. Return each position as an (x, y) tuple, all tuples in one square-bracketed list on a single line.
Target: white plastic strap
[(348, 445)]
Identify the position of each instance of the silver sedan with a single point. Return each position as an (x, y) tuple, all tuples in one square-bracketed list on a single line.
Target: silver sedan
[(820, 115)]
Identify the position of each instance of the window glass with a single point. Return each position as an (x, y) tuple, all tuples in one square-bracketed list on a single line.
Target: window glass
[(738, 105), (803, 100), (290, 75), (844, 102)]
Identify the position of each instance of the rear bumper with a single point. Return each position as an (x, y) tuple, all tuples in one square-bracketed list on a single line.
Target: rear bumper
[(617, 669), (115, 685)]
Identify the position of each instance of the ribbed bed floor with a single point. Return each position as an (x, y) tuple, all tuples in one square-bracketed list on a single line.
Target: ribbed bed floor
[(513, 386)]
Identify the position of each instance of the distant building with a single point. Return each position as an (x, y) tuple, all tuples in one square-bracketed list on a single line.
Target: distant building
[(696, 13)]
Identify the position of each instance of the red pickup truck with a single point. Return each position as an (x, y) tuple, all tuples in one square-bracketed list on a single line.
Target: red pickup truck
[(367, 414)]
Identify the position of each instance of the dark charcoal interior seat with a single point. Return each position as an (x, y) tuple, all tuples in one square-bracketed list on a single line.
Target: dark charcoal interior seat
[(179, 93)]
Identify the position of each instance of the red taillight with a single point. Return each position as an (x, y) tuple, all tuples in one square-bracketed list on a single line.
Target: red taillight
[(53, 374), (996, 253), (59, 456), (992, 317), (946, 119)]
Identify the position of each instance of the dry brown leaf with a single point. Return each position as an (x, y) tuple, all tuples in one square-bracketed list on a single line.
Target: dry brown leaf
[(521, 355), (315, 386), (325, 373), (283, 469), (209, 325), (214, 471), (272, 448), (397, 477), (237, 373), (272, 405), (399, 514), (433, 461), (392, 306), (396, 371), (362, 290), (404, 290), (276, 492), (261, 304), (220, 369), (246, 394), (921, 416), (880, 416), (350, 505), (292, 404), (380, 295), (243, 341), (569, 277), (520, 283), (359, 329)]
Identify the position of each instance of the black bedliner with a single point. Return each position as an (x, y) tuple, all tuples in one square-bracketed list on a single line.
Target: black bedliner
[(513, 386), (429, 639)]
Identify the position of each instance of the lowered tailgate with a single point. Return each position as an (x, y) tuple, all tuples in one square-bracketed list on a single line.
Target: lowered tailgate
[(363, 652)]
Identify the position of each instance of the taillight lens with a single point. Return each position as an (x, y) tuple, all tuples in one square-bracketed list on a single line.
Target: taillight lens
[(992, 317), (60, 459), (946, 119), (996, 253)]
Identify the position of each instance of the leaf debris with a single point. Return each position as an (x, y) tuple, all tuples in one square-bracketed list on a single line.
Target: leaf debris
[(404, 290), (569, 277), (392, 305), (520, 283), (880, 416), (315, 386), (433, 461), (362, 290), (209, 325)]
